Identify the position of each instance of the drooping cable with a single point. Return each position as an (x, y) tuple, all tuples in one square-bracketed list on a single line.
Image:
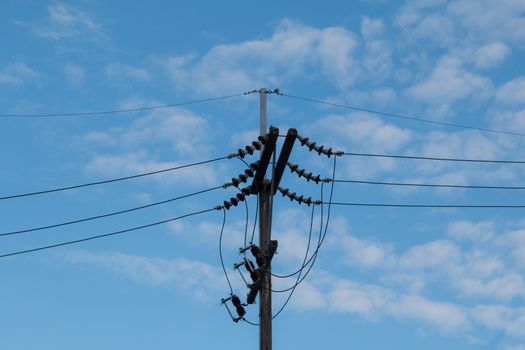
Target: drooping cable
[(400, 116), (107, 234), (220, 251), (316, 253), (303, 265), (305, 262), (119, 111), (65, 188), (109, 214)]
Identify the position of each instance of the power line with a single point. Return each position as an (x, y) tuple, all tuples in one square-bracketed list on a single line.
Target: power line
[(109, 214), (378, 155), (388, 183), (303, 265), (322, 236), (396, 205), (106, 234), (117, 111), (400, 116), (111, 180), (220, 251)]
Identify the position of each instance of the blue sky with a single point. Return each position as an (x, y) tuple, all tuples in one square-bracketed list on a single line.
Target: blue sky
[(385, 277)]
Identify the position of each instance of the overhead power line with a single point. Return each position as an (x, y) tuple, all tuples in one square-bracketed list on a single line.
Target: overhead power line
[(119, 111), (389, 183), (397, 205), (378, 155), (65, 188), (109, 214), (106, 234), (400, 116)]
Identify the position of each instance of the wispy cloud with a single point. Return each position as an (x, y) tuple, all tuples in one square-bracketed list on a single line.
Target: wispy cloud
[(65, 21), (17, 74)]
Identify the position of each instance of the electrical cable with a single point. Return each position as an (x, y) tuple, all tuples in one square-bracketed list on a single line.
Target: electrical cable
[(108, 214), (117, 111), (106, 234), (434, 158), (395, 205), (220, 251), (303, 264), (112, 180), (400, 116), (387, 183), (315, 255)]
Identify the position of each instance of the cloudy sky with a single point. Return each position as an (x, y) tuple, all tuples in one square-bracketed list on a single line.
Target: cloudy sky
[(385, 277)]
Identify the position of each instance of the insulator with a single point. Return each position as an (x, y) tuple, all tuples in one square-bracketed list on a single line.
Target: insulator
[(238, 306), (284, 191), (320, 149), (259, 259), (316, 178), (247, 190), (235, 181), (241, 196), (308, 176), (249, 172), (308, 201), (257, 145), (256, 165), (243, 178), (292, 195), (252, 295), (254, 275), (300, 172), (302, 139), (311, 145), (293, 167), (250, 149), (300, 198), (329, 152), (263, 139), (227, 205), (234, 201), (241, 153)]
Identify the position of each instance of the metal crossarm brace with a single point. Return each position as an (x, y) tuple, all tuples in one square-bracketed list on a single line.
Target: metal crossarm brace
[(266, 154), (283, 157)]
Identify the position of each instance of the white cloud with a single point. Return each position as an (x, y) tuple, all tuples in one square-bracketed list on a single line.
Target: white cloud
[(364, 131), (139, 162), (366, 300), (476, 232), (17, 74), (293, 50), (488, 19), (66, 21), (188, 275), (491, 55), (460, 84), (446, 316), (512, 91)]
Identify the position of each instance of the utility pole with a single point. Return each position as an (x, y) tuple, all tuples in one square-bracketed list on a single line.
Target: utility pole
[(265, 298)]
